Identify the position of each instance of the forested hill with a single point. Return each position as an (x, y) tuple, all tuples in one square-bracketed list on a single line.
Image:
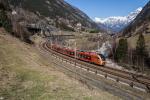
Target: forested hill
[(59, 12)]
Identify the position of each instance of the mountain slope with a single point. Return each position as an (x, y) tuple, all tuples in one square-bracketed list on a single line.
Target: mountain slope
[(141, 23), (26, 73), (28, 17), (61, 13), (117, 23)]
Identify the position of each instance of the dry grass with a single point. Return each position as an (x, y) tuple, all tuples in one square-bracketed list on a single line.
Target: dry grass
[(132, 41), (25, 75)]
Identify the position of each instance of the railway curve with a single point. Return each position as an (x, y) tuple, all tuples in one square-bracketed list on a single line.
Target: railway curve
[(134, 80)]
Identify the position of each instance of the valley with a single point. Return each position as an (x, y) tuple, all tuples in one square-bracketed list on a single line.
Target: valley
[(31, 72)]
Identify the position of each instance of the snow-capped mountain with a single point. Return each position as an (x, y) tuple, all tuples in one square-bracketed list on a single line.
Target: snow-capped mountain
[(141, 24), (117, 23)]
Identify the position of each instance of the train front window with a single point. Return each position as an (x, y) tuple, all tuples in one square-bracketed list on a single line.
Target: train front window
[(102, 57)]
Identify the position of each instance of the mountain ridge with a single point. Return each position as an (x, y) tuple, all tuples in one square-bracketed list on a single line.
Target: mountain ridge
[(47, 15), (140, 24), (57, 10), (117, 23)]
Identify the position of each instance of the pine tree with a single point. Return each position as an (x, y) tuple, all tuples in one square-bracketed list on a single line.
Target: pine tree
[(142, 55), (141, 52), (140, 47), (121, 50)]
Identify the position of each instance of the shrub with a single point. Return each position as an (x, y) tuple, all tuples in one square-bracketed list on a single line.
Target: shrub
[(4, 21), (94, 31)]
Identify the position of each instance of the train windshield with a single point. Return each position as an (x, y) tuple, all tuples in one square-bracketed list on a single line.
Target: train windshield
[(102, 57)]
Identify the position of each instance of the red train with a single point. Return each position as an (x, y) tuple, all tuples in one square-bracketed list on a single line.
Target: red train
[(91, 57)]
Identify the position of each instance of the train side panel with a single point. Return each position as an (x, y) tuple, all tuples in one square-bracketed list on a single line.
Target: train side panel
[(84, 56)]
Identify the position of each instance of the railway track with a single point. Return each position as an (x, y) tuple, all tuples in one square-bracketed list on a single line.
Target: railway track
[(134, 80)]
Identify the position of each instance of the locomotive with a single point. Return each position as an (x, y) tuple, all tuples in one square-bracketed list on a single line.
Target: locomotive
[(91, 57)]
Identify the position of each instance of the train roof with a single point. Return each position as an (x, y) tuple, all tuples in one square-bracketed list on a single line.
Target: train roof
[(80, 51)]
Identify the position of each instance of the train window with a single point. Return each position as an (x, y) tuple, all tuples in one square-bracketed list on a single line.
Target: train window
[(82, 56), (86, 57), (72, 53), (79, 55), (68, 52), (89, 57)]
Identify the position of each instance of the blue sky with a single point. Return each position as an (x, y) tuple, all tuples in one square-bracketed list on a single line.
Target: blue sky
[(107, 8)]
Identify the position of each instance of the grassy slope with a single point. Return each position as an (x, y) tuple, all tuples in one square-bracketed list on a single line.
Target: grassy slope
[(132, 41), (24, 74)]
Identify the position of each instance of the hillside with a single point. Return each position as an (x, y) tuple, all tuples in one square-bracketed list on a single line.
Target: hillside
[(26, 74), (141, 24), (24, 18), (56, 12)]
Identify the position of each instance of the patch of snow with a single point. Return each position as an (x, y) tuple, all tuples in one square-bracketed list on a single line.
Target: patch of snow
[(139, 9), (118, 22)]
